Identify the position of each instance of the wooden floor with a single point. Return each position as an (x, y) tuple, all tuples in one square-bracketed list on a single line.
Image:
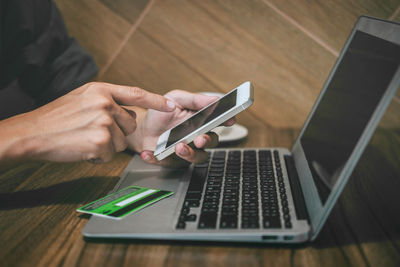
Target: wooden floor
[(287, 49)]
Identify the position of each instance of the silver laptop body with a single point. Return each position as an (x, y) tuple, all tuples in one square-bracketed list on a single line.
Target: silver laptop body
[(368, 68)]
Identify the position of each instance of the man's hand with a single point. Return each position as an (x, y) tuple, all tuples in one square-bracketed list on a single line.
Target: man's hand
[(86, 124), (152, 124)]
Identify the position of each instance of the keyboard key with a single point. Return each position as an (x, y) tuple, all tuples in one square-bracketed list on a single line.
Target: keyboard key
[(285, 210), (272, 222), (181, 225), (202, 165), (192, 203), (250, 225), (219, 155), (185, 210), (193, 196), (229, 210), (191, 218), (228, 222), (216, 174), (197, 181), (208, 220), (217, 165), (210, 204), (210, 209)]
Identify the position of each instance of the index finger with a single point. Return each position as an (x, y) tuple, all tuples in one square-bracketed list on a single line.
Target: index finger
[(135, 96)]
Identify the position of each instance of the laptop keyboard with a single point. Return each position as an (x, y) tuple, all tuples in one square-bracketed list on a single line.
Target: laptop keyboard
[(237, 190)]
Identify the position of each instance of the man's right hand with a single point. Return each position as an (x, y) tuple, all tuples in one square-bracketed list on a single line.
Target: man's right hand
[(88, 123)]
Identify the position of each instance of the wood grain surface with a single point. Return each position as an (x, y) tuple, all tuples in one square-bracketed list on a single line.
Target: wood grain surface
[(283, 48), (287, 49), (95, 26), (209, 39), (40, 227), (332, 21)]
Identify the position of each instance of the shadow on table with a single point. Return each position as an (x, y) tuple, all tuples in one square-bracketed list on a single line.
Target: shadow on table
[(368, 209), (185, 243), (76, 191)]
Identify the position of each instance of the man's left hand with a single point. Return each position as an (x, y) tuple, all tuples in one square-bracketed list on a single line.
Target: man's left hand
[(152, 123)]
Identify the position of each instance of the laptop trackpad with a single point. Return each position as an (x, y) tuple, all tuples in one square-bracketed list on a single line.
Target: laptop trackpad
[(165, 179), (157, 217)]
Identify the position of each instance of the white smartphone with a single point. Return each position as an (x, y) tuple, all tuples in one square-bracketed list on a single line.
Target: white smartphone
[(205, 120)]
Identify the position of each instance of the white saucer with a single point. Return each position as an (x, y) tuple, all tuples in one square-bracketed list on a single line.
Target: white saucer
[(232, 133), (228, 134)]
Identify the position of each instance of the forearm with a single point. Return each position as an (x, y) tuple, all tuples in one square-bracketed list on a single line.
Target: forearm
[(17, 142)]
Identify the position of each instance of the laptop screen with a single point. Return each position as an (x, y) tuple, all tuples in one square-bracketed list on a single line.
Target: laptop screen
[(357, 86)]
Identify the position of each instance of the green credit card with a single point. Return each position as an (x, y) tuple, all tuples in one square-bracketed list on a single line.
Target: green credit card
[(125, 201)]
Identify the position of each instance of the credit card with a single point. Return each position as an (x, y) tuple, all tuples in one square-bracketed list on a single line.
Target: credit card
[(123, 202)]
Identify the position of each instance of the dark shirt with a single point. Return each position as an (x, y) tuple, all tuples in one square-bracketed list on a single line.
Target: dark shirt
[(37, 56)]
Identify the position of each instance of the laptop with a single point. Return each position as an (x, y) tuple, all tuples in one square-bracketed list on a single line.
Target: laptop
[(274, 195)]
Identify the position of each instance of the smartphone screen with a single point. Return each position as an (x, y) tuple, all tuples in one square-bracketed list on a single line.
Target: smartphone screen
[(201, 118)]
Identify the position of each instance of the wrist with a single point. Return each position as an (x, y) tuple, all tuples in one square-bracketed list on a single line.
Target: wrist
[(135, 140), (18, 142)]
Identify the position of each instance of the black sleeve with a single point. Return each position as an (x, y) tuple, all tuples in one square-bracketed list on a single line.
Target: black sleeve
[(38, 53)]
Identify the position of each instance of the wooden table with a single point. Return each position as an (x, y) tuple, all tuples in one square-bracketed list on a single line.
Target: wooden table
[(39, 225)]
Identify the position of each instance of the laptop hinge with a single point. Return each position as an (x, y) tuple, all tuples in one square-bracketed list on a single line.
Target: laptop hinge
[(297, 192)]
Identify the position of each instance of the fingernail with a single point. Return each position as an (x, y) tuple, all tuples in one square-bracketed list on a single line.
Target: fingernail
[(147, 157), (184, 151), (171, 104)]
